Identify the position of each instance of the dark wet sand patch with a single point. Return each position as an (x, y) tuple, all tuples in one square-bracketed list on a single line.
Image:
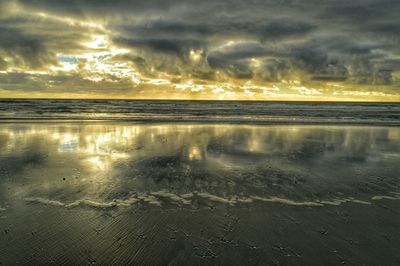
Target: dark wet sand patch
[(265, 234)]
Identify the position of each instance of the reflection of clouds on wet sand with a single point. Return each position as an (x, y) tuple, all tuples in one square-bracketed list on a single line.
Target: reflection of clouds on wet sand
[(115, 165)]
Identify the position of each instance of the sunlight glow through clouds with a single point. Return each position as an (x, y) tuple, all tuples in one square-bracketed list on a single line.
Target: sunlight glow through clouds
[(97, 65)]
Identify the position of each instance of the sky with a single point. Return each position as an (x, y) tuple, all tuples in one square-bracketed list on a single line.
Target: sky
[(316, 50)]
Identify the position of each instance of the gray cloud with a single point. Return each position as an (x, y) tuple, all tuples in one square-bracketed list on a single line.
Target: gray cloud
[(31, 83), (166, 45), (33, 42), (24, 49)]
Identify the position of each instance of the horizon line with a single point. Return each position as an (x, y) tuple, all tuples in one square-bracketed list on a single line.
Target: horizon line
[(198, 100)]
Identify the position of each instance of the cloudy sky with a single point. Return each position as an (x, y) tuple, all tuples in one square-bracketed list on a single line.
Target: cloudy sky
[(191, 49)]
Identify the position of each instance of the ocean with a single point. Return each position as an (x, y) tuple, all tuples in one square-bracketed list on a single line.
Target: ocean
[(201, 111)]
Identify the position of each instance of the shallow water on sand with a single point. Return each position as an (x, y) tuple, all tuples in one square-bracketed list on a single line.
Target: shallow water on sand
[(115, 193)]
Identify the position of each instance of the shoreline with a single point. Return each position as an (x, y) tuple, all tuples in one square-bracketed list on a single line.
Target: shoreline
[(250, 122)]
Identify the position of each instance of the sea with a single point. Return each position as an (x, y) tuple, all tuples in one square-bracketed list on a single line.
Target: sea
[(201, 111)]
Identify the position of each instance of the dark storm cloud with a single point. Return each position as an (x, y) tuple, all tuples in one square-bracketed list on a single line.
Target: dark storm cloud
[(360, 10), (166, 45), (280, 29), (25, 82), (390, 30), (261, 27), (229, 53), (166, 27), (24, 49), (274, 70), (390, 64), (31, 42), (77, 8)]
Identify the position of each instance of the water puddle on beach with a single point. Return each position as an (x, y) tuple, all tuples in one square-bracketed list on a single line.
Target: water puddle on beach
[(120, 193)]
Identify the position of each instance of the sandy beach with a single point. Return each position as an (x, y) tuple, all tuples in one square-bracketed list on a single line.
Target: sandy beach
[(122, 193)]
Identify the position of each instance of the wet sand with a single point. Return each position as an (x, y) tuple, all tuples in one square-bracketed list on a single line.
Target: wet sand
[(182, 194)]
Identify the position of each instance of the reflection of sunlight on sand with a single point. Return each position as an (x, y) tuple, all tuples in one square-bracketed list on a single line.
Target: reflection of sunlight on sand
[(98, 163), (112, 158), (67, 142), (102, 147), (91, 150), (113, 141), (394, 134), (98, 145), (195, 153)]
